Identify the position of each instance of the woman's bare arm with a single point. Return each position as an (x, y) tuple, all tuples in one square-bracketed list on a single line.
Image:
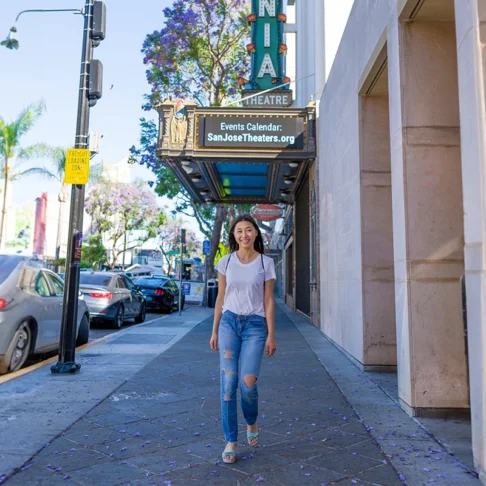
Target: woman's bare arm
[(218, 311), (271, 345)]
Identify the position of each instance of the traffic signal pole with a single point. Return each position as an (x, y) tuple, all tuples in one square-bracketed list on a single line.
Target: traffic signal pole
[(67, 345), (183, 242)]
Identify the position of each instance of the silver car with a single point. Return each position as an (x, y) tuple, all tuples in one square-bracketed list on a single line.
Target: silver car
[(112, 297), (31, 311)]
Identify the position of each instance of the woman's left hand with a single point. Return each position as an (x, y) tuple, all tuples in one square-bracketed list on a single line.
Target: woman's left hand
[(270, 346)]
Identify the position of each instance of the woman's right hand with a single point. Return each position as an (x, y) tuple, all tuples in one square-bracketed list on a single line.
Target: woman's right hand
[(213, 342)]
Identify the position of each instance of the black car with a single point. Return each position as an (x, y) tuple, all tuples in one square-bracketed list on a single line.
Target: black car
[(161, 294)]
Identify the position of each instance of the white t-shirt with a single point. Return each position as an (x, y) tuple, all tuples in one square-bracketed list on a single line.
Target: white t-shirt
[(244, 284)]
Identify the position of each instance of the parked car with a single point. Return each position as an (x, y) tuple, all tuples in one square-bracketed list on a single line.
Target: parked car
[(31, 311), (161, 294), (112, 297)]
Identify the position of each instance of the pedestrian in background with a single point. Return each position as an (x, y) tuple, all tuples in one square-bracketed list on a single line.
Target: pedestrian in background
[(244, 327)]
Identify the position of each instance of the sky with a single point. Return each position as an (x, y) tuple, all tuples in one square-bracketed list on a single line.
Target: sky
[(46, 67)]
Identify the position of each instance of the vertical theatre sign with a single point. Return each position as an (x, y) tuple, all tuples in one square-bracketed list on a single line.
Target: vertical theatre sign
[(268, 50)]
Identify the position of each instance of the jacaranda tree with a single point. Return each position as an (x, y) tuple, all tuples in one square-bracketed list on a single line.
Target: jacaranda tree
[(199, 53), (125, 215)]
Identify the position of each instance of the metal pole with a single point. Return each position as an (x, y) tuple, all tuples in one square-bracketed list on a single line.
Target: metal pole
[(67, 345), (206, 281), (180, 282), (124, 248)]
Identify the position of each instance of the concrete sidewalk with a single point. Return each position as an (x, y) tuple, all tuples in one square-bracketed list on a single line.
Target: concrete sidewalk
[(147, 413), (38, 406)]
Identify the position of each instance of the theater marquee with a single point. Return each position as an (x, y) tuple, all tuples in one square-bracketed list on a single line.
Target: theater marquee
[(237, 155), (263, 132)]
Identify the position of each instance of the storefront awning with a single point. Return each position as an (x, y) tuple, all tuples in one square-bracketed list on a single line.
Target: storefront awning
[(237, 155)]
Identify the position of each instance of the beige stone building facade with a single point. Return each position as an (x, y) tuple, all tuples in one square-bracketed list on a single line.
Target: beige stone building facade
[(401, 184)]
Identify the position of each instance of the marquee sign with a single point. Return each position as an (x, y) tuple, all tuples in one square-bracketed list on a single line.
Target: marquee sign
[(256, 132), (268, 51)]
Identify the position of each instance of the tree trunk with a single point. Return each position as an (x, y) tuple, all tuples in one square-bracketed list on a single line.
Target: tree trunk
[(4, 207), (221, 213)]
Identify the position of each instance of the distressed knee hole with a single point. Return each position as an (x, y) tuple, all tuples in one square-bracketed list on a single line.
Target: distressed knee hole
[(227, 397), (250, 380), (226, 372), (228, 354)]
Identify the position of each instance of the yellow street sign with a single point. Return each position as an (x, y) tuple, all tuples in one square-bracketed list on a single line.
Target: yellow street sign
[(77, 166)]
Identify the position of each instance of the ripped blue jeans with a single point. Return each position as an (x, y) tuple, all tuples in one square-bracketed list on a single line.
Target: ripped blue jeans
[(241, 341)]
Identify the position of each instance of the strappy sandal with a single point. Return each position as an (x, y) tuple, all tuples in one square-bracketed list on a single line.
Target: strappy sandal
[(252, 436), (229, 457)]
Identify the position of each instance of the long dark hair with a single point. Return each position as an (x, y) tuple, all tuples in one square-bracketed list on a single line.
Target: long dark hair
[(259, 247)]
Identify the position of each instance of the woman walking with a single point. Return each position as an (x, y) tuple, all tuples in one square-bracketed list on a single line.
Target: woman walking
[(244, 327)]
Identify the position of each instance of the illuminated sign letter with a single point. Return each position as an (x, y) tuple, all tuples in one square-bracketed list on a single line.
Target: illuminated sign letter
[(269, 6), (267, 67), (267, 36)]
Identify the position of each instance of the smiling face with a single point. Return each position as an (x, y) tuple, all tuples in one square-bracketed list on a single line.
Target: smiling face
[(245, 234)]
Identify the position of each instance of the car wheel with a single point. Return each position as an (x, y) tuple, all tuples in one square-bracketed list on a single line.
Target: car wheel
[(19, 349), (83, 332), (117, 322), (141, 317)]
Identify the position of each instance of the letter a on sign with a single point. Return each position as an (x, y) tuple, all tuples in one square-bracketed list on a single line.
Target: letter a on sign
[(267, 67), (269, 6)]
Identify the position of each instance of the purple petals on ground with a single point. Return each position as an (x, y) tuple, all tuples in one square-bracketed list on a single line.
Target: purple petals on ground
[(260, 479)]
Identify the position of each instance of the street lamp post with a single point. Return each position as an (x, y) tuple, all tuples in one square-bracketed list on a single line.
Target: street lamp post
[(67, 344), (89, 92)]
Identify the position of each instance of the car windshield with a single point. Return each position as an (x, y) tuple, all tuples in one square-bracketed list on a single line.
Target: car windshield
[(94, 279), (151, 283), (8, 263)]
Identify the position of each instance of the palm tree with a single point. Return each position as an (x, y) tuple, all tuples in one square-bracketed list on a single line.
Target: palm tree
[(10, 136), (57, 156)]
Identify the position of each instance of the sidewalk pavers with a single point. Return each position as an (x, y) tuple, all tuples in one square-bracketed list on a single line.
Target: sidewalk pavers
[(162, 426), (38, 406)]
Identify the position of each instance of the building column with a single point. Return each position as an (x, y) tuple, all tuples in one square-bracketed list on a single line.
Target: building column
[(427, 216), (471, 41), (379, 330)]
